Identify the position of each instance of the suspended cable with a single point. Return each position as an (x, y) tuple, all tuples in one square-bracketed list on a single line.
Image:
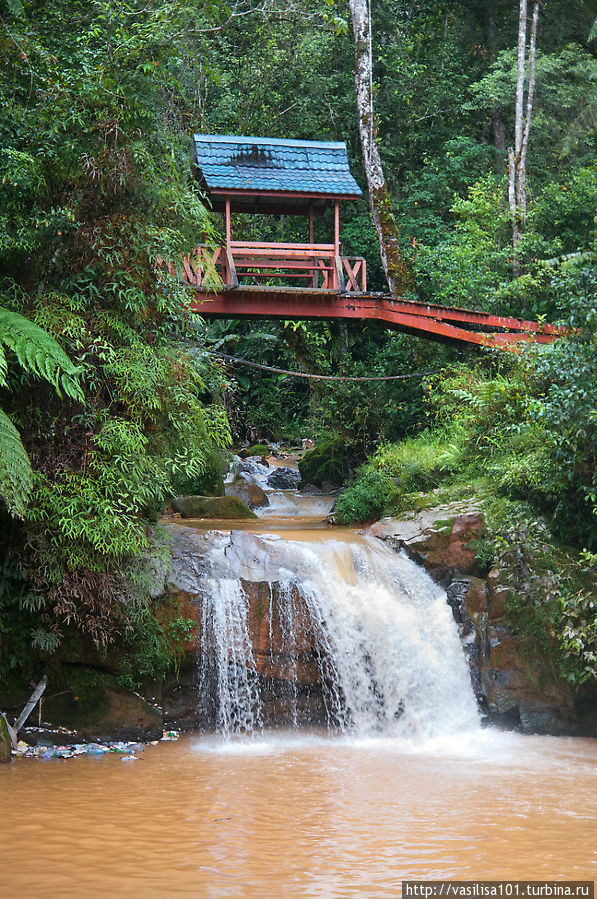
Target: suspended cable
[(304, 374)]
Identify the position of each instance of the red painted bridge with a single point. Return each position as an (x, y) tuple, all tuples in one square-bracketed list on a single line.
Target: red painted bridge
[(432, 322), (342, 295)]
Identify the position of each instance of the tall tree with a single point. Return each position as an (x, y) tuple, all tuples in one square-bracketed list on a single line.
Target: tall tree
[(517, 154), (379, 199)]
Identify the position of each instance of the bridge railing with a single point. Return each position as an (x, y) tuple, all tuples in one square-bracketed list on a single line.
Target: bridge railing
[(314, 265)]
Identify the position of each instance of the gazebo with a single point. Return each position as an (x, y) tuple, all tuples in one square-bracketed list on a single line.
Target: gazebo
[(271, 176)]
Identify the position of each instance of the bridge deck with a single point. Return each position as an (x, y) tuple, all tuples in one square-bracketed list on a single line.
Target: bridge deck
[(434, 322)]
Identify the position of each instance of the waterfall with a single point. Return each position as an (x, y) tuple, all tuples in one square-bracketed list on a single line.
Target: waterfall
[(379, 631)]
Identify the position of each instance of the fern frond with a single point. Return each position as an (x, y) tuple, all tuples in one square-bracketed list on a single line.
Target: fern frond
[(38, 353), (16, 476), (3, 368)]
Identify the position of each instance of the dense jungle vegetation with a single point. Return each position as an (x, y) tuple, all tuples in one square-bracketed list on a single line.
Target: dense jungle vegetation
[(112, 399)]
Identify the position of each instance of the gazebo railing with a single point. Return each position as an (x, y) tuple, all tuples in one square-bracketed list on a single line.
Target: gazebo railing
[(318, 265)]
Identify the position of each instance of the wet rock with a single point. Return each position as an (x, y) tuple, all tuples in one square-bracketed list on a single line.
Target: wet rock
[(284, 479), (289, 681), (541, 718), (439, 538), (498, 594), (514, 690), (329, 487), (5, 743), (211, 507), (116, 715), (249, 493), (311, 490)]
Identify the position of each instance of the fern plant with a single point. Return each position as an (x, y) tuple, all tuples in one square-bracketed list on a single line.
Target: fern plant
[(39, 355)]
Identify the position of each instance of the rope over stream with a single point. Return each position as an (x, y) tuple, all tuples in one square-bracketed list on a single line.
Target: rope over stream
[(304, 374)]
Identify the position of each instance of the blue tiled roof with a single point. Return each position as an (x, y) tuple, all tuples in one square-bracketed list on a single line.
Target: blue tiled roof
[(274, 165)]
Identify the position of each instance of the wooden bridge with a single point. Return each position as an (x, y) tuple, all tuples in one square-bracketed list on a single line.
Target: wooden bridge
[(433, 322), (336, 291), (310, 280)]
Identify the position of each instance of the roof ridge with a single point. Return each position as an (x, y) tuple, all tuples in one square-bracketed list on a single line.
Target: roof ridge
[(276, 141)]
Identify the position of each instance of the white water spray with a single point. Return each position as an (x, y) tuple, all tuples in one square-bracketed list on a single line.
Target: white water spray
[(387, 647)]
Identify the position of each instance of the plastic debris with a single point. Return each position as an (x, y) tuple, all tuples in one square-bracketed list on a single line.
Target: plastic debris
[(171, 735), (126, 749), (96, 748)]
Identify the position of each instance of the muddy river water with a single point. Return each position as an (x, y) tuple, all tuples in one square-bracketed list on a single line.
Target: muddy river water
[(287, 816), (300, 814)]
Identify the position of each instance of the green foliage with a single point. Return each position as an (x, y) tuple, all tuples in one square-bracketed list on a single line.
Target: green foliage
[(551, 601), (16, 476), (396, 470), (94, 194), (39, 355), (367, 499)]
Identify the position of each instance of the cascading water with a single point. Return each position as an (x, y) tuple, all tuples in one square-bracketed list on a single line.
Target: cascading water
[(384, 641)]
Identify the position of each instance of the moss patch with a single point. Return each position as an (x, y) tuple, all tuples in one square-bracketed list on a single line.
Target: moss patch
[(211, 507)]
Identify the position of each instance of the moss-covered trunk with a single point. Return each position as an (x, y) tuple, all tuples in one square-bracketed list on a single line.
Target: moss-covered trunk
[(394, 266)]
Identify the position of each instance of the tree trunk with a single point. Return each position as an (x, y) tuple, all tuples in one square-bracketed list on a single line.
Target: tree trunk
[(513, 210), (521, 187), (520, 75), (517, 155), (497, 122), (379, 200)]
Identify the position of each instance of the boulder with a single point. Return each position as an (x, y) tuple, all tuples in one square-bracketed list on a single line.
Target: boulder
[(211, 507), (330, 461), (115, 715), (284, 479), (311, 490), (252, 495), (259, 449), (5, 743), (439, 538)]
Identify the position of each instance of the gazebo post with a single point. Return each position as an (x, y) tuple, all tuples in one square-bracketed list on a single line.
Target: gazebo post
[(225, 266), (312, 241), (336, 240)]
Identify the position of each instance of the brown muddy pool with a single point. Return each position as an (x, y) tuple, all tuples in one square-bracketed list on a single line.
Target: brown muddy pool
[(291, 815)]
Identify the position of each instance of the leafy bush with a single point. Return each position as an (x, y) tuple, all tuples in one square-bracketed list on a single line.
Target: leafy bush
[(366, 499)]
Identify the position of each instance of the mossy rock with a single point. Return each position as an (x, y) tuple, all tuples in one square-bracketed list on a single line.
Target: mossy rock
[(260, 449), (250, 494), (208, 483), (330, 462), (211, 507)]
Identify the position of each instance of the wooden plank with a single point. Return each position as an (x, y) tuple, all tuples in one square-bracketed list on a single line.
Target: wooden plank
[(259, 244), (338, 280), (231, 269), (32, 702), (274, 274), (188, 271), (279, 263), (280, 252), (264, 302)]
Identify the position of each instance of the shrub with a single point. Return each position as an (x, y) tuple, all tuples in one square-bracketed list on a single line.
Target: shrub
[(367, 498)]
